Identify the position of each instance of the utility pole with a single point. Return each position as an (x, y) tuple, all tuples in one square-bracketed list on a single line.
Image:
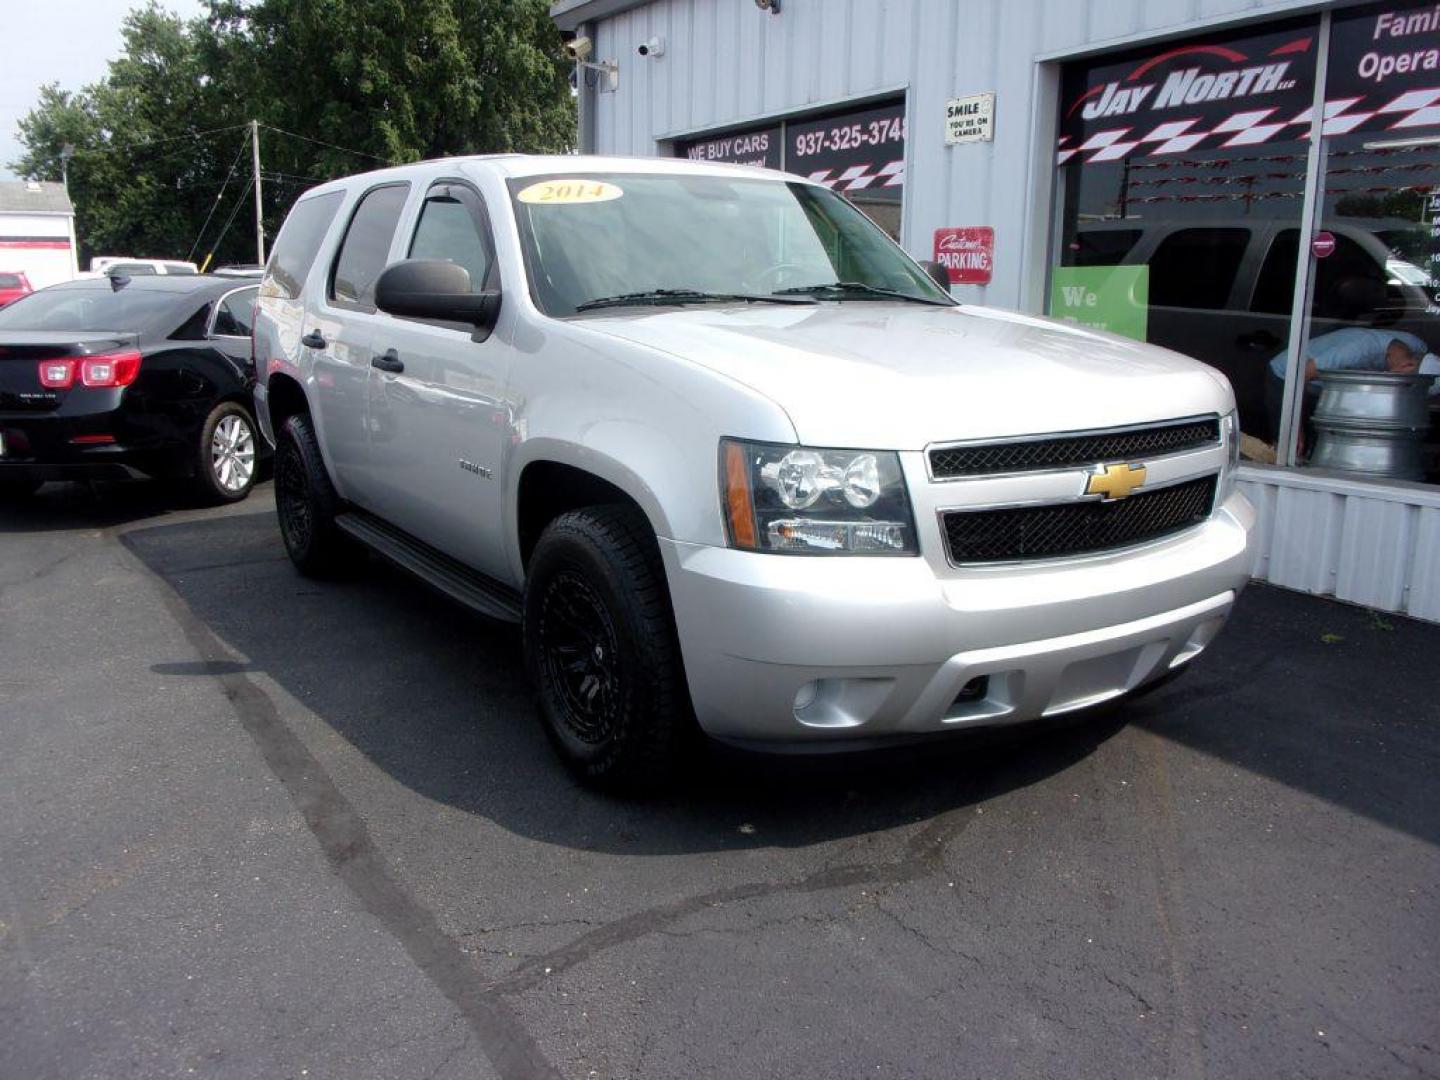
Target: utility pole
[(66, 153), (259, 218)]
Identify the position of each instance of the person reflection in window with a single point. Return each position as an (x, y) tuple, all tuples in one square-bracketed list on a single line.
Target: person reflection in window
[(1351, 348)]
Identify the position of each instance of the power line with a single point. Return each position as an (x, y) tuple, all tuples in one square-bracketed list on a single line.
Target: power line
[(219, 195), (332, 146), (231, 219), (269, 175), (157, 142)]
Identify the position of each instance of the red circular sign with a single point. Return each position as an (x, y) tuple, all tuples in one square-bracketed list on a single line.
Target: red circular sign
[(1323, 245)]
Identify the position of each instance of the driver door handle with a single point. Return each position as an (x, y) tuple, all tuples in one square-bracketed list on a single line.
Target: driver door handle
[(313, 340), (388, 361)]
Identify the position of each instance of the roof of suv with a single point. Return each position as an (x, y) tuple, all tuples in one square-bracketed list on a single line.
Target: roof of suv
[(515, 165)]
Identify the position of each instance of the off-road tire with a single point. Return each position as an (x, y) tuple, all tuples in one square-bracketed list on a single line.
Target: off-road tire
[(209, 481), (306, 505), (600, 566)]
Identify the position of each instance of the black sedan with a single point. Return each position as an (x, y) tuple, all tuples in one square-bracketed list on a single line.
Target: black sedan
[(108, 378)]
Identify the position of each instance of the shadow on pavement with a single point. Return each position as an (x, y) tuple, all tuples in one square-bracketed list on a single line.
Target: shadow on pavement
[(438, 700), (71, 505), (1335, 700)]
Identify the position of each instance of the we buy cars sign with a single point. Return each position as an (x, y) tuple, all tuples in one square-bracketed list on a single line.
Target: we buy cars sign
[(967, 253)]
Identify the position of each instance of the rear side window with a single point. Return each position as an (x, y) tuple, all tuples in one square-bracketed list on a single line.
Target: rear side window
[(179, 268), (130, 270), (299, 243), (1195, 268), (9, 281), (366, 246), (236, 315)]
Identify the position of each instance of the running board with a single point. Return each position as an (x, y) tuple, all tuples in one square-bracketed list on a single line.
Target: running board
[(480, 594)]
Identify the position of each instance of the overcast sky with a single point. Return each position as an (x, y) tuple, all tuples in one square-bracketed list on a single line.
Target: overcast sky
[(64, 41)]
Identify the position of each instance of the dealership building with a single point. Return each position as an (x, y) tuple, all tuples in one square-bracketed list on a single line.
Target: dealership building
[(1250, 183)]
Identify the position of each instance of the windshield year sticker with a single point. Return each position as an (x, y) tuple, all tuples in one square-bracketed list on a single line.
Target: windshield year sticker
[(566, 192)]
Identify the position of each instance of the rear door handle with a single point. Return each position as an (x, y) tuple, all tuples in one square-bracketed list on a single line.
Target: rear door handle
[(313, 340), (388, 361)]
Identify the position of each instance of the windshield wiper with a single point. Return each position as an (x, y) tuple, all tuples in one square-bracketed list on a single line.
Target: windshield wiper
[(857, 290), (687, 296)]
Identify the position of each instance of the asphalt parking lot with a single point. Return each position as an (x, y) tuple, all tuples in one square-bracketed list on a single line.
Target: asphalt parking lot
[(256, 826)]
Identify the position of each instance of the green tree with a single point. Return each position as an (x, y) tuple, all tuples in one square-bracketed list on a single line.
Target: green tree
[(339, 86)]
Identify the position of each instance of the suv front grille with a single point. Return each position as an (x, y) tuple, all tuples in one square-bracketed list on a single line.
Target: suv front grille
[(1078, 528), (1068, 451)]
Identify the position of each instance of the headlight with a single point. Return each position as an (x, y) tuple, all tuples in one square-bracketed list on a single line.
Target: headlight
[(1230, 432), (804, 501)]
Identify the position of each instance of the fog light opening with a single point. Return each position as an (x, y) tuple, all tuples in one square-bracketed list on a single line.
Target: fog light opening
[(974, 690), (806, 695)]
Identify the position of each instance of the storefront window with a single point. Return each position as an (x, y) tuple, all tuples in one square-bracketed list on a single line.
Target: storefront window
[(1181, 183), (1365, 392), (858, 152), (1182, 188)]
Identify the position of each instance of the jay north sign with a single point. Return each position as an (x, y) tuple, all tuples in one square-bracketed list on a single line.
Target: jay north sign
[(1219, 90)]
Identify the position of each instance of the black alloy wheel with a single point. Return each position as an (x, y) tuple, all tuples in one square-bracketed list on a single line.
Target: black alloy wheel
[(601, 648), (306, 504), (580, 657)]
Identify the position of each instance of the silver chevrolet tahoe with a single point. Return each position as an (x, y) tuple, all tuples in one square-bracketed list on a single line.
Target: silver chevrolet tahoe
[(733, 459)]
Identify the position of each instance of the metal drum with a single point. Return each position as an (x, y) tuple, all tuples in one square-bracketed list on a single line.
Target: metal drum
[(1372, 423)]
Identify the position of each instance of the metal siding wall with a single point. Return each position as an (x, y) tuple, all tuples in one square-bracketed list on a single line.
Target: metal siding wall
[(1366, 545), (726, 63)]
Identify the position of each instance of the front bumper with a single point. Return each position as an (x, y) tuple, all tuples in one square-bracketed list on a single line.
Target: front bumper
[(807, 649)]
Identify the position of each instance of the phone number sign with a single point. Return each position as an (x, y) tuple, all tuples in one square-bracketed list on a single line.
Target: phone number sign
[(862, 151), (967, 253)]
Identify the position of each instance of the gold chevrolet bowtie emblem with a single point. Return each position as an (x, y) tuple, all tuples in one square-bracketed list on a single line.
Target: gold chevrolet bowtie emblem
[(1115, 481)]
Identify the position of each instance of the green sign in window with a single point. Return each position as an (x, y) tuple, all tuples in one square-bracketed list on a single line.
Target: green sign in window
[(1113, 298)]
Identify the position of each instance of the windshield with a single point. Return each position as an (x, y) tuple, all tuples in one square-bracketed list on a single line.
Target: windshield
[(599, 236), (87, 309)]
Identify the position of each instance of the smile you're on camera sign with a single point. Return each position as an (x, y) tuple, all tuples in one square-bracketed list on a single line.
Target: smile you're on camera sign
[(970, 119)]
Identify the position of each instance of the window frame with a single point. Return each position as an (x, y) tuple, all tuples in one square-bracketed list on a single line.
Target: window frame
[(353, 305), (215, 314)]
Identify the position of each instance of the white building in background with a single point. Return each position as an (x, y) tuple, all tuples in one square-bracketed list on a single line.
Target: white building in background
[(1228, 178), (37, 231)]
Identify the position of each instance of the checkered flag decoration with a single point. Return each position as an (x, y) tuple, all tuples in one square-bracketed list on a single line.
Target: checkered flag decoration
[(1412, 109), (859, 177)]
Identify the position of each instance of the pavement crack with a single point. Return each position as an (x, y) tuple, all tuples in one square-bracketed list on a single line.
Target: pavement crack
[(1126, 988), (922, 856)]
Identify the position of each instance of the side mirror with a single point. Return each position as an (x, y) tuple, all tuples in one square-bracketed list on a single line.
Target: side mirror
[(938, 273), (434, 289)]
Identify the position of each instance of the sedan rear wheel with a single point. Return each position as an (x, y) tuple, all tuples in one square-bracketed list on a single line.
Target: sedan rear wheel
[(228, 453)]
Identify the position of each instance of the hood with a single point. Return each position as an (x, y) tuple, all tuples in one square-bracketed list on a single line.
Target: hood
[(901, 376)]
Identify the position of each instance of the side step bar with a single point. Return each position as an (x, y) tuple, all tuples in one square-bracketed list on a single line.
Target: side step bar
[(480, 594)]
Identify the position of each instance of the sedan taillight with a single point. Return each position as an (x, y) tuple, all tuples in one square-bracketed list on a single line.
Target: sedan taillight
[(57, 374), (107, 370)]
